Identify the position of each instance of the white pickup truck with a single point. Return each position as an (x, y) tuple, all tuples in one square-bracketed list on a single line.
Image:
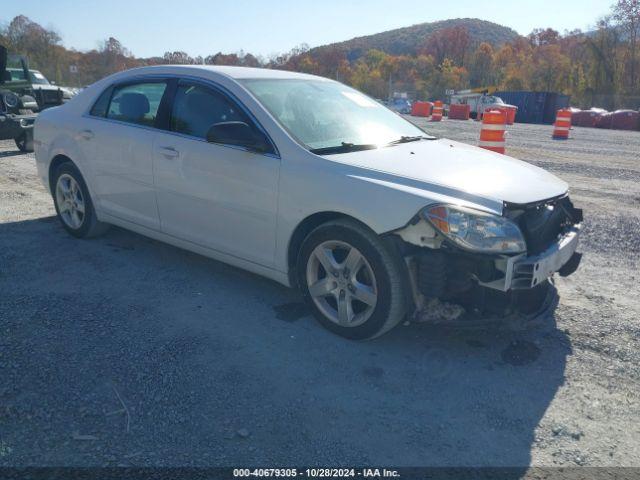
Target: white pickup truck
[(479, 102)]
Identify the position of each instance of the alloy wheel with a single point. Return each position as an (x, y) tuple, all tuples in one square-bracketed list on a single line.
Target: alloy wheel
[(70, 201), (341, 283)]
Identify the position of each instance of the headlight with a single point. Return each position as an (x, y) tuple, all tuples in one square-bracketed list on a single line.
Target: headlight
[(11, 100), (476, 230)]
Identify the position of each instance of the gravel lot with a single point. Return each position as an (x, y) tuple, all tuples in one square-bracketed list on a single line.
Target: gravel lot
[(125, 351)]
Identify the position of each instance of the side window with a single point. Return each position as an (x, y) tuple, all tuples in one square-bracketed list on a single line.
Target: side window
[(17, 75), (197, 108), (101, 106), (136, 103)]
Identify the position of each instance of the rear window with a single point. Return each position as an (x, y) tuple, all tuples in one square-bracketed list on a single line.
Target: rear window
[(136, 103)]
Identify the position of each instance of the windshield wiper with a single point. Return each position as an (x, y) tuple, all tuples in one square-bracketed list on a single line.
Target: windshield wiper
[(344, 147), (407, 139)]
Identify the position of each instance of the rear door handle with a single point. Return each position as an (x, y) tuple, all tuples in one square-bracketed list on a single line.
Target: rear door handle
[(86, 134), (169, 152)]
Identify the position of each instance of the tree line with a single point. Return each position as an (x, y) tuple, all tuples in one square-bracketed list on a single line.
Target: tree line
[(597, 68)]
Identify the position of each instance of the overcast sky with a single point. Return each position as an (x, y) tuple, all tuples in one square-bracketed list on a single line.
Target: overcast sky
[(199, 27)]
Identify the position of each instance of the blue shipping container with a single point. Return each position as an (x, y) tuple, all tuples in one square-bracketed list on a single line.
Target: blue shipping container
[(535, 107)]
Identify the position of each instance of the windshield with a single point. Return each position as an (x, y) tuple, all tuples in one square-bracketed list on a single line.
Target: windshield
[(323, 115), (38, 78), (17, 74), (35, 77)]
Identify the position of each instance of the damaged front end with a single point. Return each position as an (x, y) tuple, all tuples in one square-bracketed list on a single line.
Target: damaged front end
[(489, 265)]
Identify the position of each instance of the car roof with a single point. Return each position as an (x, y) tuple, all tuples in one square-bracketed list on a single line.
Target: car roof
[(247, 72), (237, 73)]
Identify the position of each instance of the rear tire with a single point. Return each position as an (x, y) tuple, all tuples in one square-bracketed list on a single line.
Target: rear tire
[(360, 294), (73, 203)]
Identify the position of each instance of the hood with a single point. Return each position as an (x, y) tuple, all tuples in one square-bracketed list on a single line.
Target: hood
[(433, 164), (43, 86), (66, 93)]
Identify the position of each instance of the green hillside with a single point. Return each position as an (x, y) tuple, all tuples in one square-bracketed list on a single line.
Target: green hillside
[(407, 40)]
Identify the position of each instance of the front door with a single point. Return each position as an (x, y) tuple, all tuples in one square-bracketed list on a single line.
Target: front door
[(219, 196)]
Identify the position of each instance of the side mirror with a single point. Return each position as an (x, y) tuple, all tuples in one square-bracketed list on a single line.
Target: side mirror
[(237, 133)]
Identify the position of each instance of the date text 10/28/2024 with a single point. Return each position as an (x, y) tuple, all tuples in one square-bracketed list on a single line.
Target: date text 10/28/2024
[(316, 472)]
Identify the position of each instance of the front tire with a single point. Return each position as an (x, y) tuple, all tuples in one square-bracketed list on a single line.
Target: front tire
[(73, 203), (351, 280), (25, 141)]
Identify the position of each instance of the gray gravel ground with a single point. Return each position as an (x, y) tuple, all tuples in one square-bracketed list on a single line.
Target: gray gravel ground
[(125, 351)]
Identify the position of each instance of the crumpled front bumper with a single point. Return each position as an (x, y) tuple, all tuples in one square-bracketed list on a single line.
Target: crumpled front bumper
[(522, 272)]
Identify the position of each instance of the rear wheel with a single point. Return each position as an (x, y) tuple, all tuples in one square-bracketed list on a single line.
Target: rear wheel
[(352, 280), (73, 203)]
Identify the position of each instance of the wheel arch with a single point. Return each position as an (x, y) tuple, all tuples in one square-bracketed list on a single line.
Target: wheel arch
[(302, 230), (61, 157), (56, 161)]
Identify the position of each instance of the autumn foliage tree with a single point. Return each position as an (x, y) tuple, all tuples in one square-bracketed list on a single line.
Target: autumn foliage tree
[(481, 70), (627, 14), (450, 43), (597, 68)]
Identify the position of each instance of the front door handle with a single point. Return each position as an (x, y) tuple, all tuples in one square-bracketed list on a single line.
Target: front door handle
[(169, 152), (86, 134)]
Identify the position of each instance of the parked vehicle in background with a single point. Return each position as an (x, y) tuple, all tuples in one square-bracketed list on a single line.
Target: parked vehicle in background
[(47, 94), (310, 183), (478, 101), (400, 105), (18, 106)]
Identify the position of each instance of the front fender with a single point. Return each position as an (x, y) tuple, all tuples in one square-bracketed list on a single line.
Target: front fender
[(382, 201)]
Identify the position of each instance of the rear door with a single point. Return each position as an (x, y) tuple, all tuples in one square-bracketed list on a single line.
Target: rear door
[(118, 138), (220, 196)]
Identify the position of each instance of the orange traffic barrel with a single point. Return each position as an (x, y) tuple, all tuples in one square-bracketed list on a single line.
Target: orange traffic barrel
[(421, 109), (438, 109), (510, 113), (459, 112), (563, 124), (429, 108), (493, 130)]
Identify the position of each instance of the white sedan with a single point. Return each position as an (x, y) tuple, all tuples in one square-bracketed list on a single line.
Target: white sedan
[(308, 182)]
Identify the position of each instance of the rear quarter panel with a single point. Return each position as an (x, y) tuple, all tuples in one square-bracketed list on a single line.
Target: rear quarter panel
[(55, 133)]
